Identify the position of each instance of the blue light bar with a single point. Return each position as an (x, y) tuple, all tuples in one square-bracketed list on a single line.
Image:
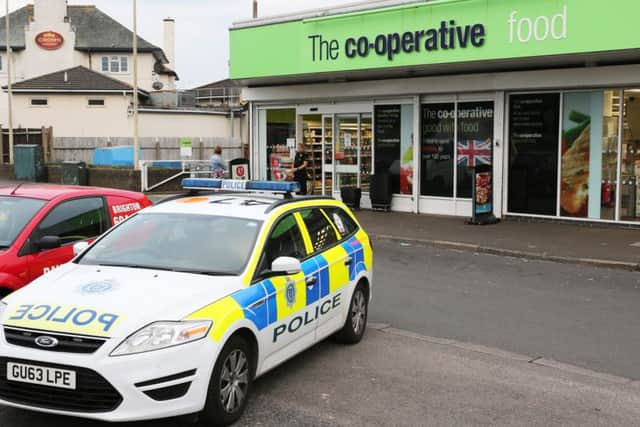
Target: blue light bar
[(284, 187)]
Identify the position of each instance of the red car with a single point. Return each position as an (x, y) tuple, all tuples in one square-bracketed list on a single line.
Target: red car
[(39, 223)]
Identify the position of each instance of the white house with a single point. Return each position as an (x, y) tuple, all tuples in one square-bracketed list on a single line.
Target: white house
[(73, 73)]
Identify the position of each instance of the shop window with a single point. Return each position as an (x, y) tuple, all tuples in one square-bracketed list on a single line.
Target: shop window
[(438, 133), (475, 142), (281, 142), (394, 145), (589, 161), (534, 125), (39, 102)]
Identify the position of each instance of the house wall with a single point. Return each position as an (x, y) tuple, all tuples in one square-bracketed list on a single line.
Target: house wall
[(79, 129), (70, 116)]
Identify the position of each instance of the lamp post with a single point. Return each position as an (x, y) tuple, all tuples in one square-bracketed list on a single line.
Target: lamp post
[(10, 84), (136, 139)]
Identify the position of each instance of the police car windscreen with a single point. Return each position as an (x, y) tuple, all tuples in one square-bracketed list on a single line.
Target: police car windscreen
[(201, 244), (15, 213)]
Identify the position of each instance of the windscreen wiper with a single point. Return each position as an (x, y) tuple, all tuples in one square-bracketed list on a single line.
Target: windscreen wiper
[(204, 273), (142, 267)]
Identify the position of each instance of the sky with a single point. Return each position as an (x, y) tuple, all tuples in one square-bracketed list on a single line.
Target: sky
[(202, 39)]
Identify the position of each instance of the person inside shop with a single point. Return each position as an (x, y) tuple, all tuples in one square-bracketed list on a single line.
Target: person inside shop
[(299, 171), (218, 164)]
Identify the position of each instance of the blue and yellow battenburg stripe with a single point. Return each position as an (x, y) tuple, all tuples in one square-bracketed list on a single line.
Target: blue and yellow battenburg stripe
[(265, 303)]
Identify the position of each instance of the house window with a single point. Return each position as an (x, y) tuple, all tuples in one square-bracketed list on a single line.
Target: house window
[(115, 64), (95, 102), (39, 102)]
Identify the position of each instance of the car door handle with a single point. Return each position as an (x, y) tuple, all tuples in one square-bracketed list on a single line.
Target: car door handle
[(348, 261), (311, 281)]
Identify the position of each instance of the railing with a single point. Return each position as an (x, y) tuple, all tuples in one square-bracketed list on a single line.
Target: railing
[(222, 95), (193, 168)]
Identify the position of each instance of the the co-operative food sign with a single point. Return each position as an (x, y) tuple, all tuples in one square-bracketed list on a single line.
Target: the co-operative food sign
[(434, 32)]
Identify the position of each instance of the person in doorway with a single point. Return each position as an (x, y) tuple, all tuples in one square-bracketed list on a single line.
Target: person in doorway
[(218, 164), (299, 170)]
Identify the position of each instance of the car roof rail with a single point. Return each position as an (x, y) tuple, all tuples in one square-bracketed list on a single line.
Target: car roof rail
[(285, 202)]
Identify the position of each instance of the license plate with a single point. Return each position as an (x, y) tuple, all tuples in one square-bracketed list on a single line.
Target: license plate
[(41, 375)]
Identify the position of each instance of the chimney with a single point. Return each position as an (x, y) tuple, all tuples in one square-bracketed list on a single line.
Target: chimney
[(170, 41), (255, 9), (50, 11)]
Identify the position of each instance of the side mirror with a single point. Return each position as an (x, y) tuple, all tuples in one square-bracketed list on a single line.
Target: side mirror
[(286, 266), (48, 242), (79, 247)]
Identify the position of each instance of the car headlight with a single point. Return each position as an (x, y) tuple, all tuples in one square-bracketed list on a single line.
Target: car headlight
[(161, 335)]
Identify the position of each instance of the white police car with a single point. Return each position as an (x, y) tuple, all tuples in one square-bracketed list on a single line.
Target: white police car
[(179, 308)]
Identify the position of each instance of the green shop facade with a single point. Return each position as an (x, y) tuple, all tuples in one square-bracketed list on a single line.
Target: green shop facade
[(546, 93)]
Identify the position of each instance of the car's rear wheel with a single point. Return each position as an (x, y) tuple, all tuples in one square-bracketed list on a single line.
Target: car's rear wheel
[(356, 323), (229, 385)]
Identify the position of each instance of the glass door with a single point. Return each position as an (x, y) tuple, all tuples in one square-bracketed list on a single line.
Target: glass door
[(327, 155), (346, 156), (630, 158)]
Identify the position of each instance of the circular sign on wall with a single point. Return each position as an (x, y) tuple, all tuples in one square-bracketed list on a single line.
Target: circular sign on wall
[(49, 40)]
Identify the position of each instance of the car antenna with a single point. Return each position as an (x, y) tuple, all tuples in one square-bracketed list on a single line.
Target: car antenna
[(15, 189)]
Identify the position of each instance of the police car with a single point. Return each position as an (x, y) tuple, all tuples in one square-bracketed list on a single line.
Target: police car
[(179, 308)]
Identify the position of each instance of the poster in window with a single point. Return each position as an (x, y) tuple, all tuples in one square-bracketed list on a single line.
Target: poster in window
[(438, 130), (581, 161)]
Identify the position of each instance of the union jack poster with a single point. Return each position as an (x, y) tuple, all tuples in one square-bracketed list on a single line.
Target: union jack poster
[(473, 153)]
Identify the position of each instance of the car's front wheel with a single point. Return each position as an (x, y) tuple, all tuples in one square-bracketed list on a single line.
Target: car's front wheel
[(356, 324), (229, 385)]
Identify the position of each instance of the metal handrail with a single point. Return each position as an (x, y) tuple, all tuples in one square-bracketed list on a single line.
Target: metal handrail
[(193, 168)]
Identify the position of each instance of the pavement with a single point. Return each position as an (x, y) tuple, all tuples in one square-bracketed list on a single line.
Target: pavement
[(395, 378), (605, 246)]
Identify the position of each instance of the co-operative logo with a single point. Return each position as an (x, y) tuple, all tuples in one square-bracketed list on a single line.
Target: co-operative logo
[(46, 342)]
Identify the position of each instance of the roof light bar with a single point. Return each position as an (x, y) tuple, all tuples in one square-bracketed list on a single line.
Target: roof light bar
[(283, 187)]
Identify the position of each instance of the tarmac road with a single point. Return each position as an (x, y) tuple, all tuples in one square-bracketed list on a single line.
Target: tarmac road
[(392, 379), (576, 314)]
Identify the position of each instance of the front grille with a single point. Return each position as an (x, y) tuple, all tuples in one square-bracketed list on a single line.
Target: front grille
[(92, 394), (66, 343)]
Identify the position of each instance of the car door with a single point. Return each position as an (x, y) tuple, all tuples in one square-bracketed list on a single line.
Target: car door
[(288, 297), (73, 220), (333, 269)]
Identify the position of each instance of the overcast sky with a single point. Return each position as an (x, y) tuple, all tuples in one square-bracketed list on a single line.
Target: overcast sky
[(202, 41)]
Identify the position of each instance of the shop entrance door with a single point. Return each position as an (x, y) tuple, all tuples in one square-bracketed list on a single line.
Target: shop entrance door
[(456, 136), (353, 151), (327, 155)]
